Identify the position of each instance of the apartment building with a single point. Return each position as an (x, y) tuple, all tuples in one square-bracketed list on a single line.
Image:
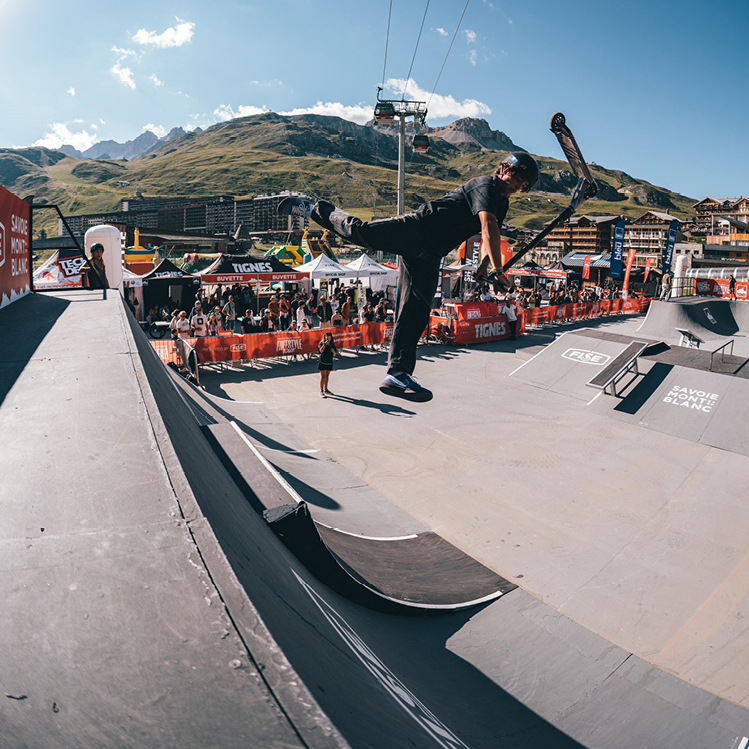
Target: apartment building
[(591, 235)]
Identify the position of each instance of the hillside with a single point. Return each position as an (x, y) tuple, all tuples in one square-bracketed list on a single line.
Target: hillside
[(352, 165)]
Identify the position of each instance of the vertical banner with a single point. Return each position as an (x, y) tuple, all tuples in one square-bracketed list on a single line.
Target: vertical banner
[(505, 250), (630, 260), (669, 253), (586, 268), (617, 249), (647, 269), (15, 247)]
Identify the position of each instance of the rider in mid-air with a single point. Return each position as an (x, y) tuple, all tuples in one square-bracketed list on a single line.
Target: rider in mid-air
[(422, 238)]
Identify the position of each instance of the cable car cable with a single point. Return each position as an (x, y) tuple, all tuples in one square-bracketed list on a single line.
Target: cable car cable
[(408, 77), (387, 43), (448, 52)]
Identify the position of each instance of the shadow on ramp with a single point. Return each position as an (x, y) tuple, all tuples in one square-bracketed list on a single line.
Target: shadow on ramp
[(21, 339), (419, 574)]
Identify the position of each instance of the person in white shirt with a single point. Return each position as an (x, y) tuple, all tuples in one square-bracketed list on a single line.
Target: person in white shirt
[(199, 322), (486, 295), (507, 308), (184, 329)]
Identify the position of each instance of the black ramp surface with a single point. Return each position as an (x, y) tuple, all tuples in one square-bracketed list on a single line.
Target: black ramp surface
[(408, 576), (425, 569)]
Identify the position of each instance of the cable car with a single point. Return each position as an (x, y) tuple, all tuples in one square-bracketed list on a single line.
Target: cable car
[(420, 143), (384, 113)]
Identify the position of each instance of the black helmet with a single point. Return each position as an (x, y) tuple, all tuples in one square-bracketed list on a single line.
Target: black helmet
[(525, 165), (97, 246)]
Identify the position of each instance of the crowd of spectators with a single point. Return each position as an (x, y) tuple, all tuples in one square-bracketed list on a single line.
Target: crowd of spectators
[(237, 309)]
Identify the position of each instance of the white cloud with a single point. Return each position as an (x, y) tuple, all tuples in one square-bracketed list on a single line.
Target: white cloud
[(155, 80), (59, 135), (158, 130), (124, 75), (71, 91), (470, 36), (123, 53), (174, 36), (359, 113), (441, 32), (227, 112), (473, 57), (439, 106)]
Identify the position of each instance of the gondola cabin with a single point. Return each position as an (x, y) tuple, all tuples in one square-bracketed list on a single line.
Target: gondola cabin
[(384, 113), (420, 143)]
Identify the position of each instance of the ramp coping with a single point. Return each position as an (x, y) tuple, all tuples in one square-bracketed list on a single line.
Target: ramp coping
[(620, 366)]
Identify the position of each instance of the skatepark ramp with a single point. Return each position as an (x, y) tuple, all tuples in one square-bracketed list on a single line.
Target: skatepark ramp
[(147, 603), (711, 320)]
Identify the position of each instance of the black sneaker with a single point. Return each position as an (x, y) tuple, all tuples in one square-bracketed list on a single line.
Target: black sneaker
[(295, 207), (404, 386)]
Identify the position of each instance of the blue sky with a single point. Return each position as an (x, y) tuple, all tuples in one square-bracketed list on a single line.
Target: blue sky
[(655, 89)]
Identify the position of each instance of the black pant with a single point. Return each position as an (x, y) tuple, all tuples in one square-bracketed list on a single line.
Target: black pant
[(417, 277)]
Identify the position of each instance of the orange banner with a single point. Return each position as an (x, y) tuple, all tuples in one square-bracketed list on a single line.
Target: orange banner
[(284, 343), (465, 331)]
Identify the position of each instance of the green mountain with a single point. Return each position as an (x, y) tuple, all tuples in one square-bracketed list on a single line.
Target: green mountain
[(352, 165)]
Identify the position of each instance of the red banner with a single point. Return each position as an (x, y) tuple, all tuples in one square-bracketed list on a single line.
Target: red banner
[(586, 267), (475, 330), (472, 310), (720, 287), (231, 278), (284, 343), (630, 260), (15, 247)]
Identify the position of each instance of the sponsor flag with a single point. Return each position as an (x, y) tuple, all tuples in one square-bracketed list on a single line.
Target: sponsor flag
[(668, 254), (506, 251), (586, 267), (647, 268), (630, 260), (617, 249)]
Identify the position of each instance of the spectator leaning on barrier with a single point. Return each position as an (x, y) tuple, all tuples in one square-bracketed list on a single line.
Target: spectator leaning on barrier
[(199, 322)]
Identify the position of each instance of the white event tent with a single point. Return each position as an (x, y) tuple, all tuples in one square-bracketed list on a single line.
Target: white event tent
[(322, 267), (379, 276)]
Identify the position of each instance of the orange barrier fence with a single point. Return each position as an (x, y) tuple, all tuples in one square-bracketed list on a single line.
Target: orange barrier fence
[(719, 287), (225, 347), (538, 315), (472, 326)]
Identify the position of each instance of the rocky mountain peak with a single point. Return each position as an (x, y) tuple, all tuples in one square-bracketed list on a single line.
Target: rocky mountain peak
[(476, 131)]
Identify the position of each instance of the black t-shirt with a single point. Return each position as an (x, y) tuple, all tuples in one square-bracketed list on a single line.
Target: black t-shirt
[(326, 352), (453, 218)]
